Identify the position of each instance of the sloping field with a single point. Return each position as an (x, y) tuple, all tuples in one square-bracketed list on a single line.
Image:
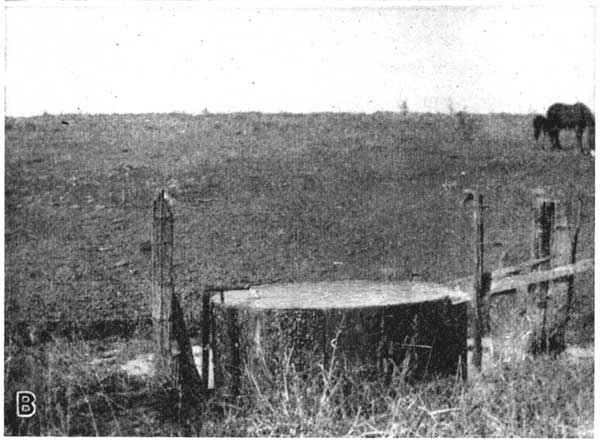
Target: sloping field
[(264, 198)]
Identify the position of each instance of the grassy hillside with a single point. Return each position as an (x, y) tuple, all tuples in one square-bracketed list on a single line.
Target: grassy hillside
[(264, 198)]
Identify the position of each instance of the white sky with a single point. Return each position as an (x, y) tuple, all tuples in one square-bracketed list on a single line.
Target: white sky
[(181, 56)]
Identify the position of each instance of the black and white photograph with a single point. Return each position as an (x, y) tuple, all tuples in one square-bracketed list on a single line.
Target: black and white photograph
[(299, 219)]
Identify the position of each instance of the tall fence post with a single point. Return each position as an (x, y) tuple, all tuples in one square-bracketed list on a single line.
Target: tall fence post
[(479, 279), (541, 239), (162, 286), (481, 282), (559, 301), (550, 301), (206, 333), (172, 347)]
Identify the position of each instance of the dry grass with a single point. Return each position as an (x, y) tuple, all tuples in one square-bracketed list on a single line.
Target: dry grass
[(514, 397)]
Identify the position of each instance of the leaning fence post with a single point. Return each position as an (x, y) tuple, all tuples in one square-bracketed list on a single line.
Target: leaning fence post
[(573, 260), (162, 286)]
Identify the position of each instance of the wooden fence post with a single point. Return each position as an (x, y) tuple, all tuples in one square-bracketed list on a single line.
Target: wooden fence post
[(480, 281), (541, 239), (571, 279), (558, 295), (172, 348), (162, 286), (206, 334), (550, 301)]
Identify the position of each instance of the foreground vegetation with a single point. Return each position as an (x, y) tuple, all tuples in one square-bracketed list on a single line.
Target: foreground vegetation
[(264, 198), (521, 398)]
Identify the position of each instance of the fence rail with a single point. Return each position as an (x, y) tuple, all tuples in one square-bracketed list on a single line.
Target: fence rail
[(509, 285), (552, 259), (553, 251), (508, 280)]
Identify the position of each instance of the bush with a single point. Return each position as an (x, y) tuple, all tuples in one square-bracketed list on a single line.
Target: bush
[(466, 126)]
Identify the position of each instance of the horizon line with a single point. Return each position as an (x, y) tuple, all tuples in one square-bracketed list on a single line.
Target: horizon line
[(234, 112)]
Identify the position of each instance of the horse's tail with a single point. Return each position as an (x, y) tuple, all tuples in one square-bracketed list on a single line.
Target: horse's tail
[(590, 123), (587, 114), (538, 124), (591, 120)]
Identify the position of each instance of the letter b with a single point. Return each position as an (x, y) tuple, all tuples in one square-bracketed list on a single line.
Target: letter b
[(25, 404)]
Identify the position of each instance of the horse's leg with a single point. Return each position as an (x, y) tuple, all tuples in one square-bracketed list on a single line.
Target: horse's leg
[(544, 140), (554, 138), (579, 135)]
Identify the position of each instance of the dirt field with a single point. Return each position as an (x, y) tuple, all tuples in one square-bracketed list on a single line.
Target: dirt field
[(264, 198)]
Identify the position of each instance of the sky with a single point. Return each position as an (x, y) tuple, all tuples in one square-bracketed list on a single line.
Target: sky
[(140, 57)]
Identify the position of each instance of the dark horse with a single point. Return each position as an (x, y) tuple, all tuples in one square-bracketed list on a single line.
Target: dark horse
[(564, 116)]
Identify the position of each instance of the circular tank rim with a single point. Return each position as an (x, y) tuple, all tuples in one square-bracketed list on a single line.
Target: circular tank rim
[(344, 294)]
